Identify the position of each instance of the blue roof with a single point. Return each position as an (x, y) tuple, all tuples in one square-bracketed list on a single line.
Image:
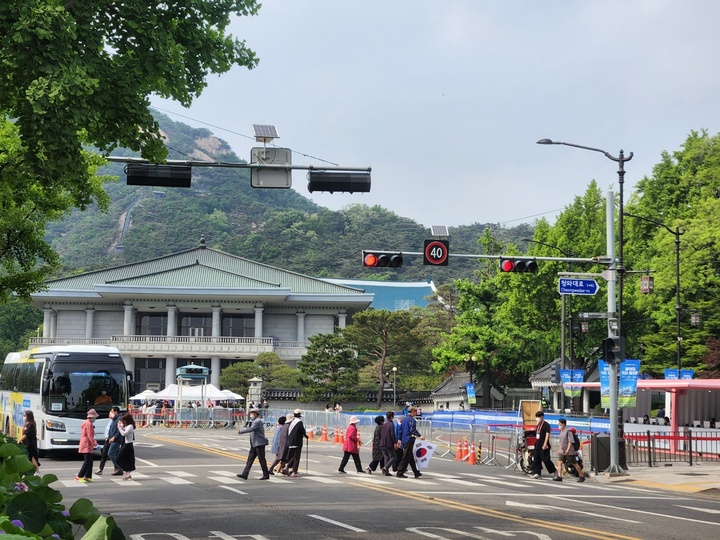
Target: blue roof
[(392, 295)]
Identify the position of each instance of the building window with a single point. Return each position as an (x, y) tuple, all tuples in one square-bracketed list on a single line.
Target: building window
[(195, 325), (149, 370), (151, 324), (238, 326)]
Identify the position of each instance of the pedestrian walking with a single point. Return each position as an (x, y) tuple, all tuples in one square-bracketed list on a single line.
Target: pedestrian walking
[(377, 453), (29, 439), (112, 435), (258, 442), (542, 447), (408, 434), (389, 444), (399, 449), (295, 436), (567, 454), (126, 455), (87, 446), (279, 444), (351, 446)]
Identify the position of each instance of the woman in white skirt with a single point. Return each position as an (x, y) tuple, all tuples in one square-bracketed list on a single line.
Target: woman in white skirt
[(126, 455)]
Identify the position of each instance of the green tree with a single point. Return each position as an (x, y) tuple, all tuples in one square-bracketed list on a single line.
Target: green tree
[(267, 365), (19, 320), (79, 73), (379, 335), (329, 369)]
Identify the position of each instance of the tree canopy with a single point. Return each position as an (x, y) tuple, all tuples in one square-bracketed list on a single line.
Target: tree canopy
[(80, 73)]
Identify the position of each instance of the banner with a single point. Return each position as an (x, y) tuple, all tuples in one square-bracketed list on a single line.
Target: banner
[(671, 374), (604, 384), (627, 389), (578, 375), (565, 378), (687, 373), (470, 390), (423, 452)]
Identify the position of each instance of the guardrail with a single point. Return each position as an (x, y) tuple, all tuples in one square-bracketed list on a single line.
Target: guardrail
[(686, 446)]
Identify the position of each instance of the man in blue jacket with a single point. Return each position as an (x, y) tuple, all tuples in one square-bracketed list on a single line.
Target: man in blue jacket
[(113, 441), (258, 442), (408, 434)]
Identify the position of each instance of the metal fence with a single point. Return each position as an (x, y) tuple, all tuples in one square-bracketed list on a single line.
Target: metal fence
[(686, 446)]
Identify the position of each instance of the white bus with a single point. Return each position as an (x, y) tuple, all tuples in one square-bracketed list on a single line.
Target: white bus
[(60, 384)]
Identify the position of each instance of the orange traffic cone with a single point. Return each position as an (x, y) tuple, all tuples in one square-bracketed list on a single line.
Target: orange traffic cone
[(342, 436), (324, 436), (458, 452), (472, 460), (464, 450), (336, 436), (311, 433)]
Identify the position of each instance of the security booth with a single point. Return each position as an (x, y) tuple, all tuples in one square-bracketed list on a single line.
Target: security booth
[(191, 373)]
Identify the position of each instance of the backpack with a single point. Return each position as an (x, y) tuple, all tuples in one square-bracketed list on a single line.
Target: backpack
[(576, 441)]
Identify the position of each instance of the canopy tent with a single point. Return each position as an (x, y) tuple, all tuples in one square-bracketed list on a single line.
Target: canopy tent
[(232, 395), (191, 393), (144, 395)]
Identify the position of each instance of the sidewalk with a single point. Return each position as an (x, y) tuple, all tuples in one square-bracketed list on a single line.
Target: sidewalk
[(700, 479)]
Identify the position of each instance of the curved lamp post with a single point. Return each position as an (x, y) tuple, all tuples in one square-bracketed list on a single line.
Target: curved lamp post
[(618, 266), (677, 232)]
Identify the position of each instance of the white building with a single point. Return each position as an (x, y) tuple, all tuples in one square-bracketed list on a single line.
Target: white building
[(199, 306)]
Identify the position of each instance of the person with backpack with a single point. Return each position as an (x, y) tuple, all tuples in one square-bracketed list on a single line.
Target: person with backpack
[(568, 453)]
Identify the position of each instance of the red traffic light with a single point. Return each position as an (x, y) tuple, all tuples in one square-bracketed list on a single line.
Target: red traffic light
[(518, 265), (382, 259)]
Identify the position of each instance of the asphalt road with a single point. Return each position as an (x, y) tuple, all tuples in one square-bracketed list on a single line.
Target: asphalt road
[(185, 487)]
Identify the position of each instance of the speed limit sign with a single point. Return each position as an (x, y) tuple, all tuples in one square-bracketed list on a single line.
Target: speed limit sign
[(436, 252)]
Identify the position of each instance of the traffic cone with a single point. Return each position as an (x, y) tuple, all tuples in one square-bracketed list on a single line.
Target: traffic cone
[(342, 436), (464, 450), (472, 460), (458, 452), (336, 436), (324, 436), (310, 434)]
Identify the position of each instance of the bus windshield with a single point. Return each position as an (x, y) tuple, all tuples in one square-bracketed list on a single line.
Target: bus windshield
[(76, 385)]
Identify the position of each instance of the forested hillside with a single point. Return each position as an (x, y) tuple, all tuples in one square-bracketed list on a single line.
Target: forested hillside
[(277, 227)]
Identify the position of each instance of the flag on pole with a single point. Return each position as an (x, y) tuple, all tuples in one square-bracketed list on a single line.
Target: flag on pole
[(423, 452)]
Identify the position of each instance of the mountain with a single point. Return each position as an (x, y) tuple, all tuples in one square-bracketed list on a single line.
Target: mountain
[(279, 227)]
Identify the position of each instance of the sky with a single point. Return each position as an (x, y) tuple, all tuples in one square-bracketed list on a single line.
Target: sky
[(446, 100)]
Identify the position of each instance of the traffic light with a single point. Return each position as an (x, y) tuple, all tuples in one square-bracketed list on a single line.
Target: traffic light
[(382, 258), (518, 265), (141, 174), (614, 349), (332, 181)]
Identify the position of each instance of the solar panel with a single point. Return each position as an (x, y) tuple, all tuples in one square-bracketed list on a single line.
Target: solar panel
[(265, 132), (439, 230)]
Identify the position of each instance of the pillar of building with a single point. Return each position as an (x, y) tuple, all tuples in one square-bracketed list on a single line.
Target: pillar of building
[(170, 366), (216, 326), (127, 319), (300, 326), (53, 324), (215, 370), (259, 320), (89, 319), (47, 321), (171, 320), (342, 319)]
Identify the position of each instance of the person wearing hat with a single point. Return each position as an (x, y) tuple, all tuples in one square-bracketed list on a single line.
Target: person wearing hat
[(377, 452), (351, 446), (258, 442), (87, 446), (295, 436), (542, 447)]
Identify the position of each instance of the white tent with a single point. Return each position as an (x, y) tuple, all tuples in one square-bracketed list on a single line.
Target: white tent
[(191, 393), (144, 395), (232, 395)]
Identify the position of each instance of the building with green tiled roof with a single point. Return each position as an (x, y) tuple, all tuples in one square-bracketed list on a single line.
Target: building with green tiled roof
[(198, 306)]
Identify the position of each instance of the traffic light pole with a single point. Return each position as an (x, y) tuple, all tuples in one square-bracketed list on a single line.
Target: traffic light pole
[(592, 260)]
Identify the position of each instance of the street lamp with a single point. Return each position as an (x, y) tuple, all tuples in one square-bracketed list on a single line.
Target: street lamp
[(677, 232), (394, 370), (616, 266), (569, 255)]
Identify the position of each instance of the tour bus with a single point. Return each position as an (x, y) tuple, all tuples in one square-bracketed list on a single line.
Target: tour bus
[(60, 384)]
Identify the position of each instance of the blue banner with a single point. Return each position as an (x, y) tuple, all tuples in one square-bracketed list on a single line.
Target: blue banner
[(687, 373), (578, 375), (604, 384), (565, 378), (627, 389), (671, 374), (470, 390)]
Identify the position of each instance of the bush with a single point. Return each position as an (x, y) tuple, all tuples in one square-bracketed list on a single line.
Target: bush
[(30, 508)]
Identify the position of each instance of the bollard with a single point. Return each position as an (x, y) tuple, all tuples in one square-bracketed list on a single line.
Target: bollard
[(324, 436)]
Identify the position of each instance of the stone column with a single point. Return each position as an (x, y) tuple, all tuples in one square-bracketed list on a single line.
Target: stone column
[(259, 320), (53, 324), (215, 371), (171, 320), (300, 326), (127, 319), (47, 320), (170, 370), (89, 319), (342, 319), (216, 326)]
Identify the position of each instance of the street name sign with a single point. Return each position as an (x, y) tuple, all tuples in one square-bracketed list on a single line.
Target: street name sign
[(577, 286)]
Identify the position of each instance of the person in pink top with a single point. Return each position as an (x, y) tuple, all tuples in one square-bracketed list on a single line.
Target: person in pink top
[(87, 446), (351, 446)]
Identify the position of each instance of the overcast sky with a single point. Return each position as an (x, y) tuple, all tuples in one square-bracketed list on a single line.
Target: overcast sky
[(445, 100)]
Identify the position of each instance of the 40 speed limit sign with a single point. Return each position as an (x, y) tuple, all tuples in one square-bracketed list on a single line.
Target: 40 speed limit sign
[(436, 252)]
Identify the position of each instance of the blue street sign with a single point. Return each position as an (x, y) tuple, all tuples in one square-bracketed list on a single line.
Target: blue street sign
[(577, 286)]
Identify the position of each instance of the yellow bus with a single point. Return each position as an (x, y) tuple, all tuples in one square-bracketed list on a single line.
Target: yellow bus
[(59, 384)]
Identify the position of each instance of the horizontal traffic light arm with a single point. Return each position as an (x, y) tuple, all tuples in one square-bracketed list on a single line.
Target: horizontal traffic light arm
[(601, 259), (231, 165)]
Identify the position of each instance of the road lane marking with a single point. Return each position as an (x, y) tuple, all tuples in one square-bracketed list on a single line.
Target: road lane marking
[(338, 523), (567, 510), (234, 490), (695, 508)]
